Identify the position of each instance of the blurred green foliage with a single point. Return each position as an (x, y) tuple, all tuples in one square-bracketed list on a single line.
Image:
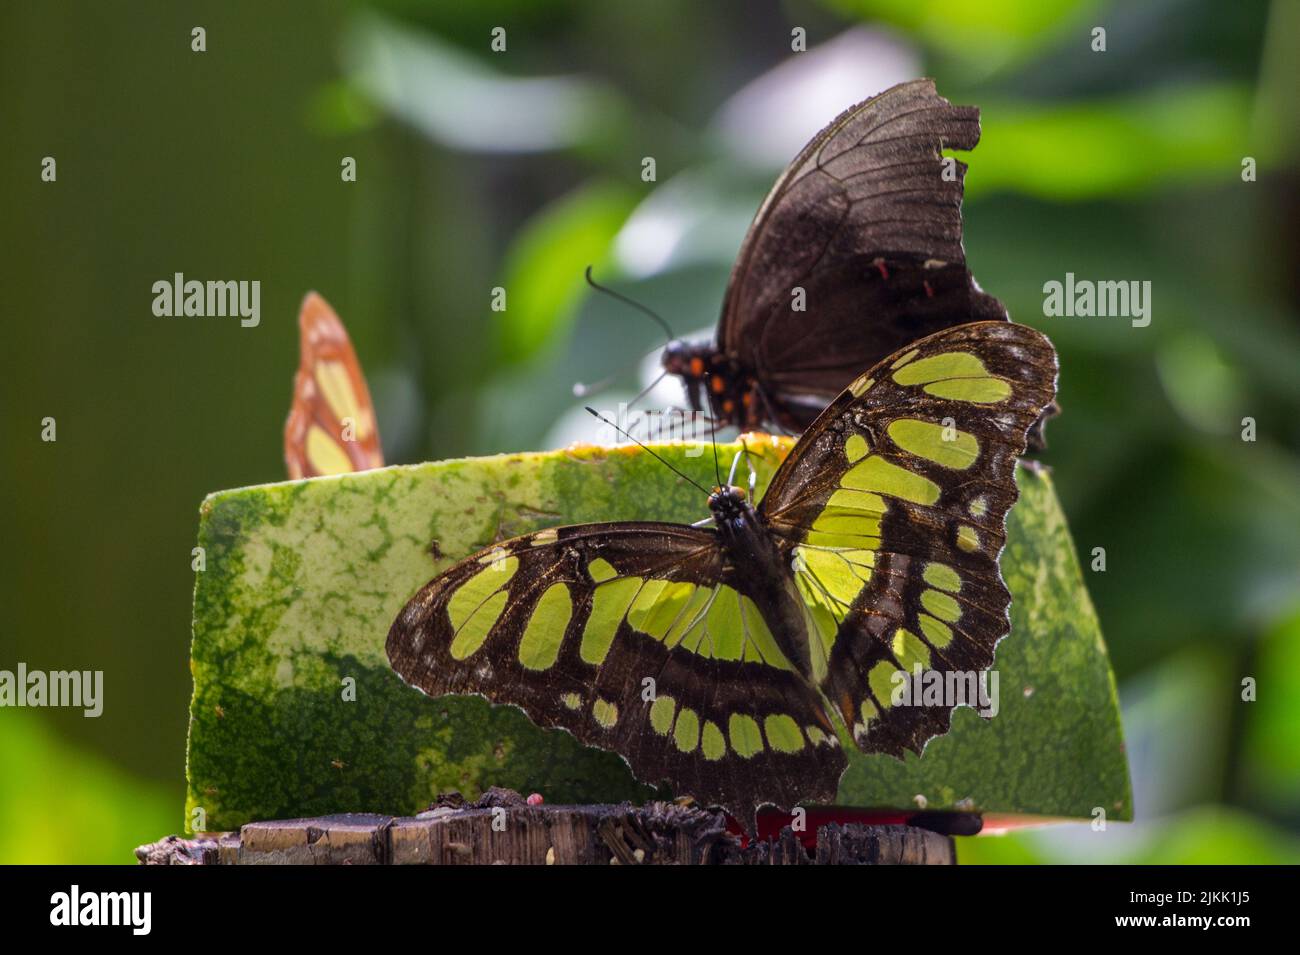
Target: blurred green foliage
[(516, 169), (59, 803), (543, 273)]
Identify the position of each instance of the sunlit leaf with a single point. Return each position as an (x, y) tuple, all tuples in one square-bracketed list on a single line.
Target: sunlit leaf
[(339, 109), (1100, 148), (1203, 836), (544, 267), (993, 32), (1273, 741), (699, 216), (59, 804), (1200, 384), (460, 101)]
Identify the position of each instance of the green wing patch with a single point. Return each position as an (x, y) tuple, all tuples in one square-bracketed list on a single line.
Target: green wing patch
[(874, 553), (636, 638), (892, 511)]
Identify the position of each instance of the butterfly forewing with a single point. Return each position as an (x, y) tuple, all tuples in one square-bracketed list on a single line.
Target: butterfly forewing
[(331, 426), (865, 226), (892, 511), (647, 638), (636, 638)]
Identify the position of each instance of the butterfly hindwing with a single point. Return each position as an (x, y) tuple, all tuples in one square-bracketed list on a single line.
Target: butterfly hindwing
[(331, 426), (892, 511), (865, 225), (874, 552), (636, 638)]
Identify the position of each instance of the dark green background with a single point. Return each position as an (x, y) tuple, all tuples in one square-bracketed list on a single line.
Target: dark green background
[(225, 165)]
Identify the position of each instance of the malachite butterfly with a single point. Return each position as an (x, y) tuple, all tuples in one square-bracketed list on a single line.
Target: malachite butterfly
[(731, 661), (331, 427)]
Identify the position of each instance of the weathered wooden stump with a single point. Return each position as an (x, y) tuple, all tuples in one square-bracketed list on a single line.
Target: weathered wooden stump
[(502, 827)]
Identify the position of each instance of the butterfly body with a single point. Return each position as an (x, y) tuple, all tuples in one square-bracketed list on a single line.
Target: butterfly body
[(721, 658), (718, 384), (761, 570)]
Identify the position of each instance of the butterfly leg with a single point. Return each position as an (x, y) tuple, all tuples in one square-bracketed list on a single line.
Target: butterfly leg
[(753, 472), (749, 463), (714, 425), (731, 475), (771, 414)]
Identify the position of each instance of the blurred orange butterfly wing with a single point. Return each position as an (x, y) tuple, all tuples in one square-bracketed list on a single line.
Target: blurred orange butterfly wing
[(331, 427)]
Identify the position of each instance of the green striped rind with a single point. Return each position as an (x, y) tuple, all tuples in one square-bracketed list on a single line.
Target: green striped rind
[(303, 580)]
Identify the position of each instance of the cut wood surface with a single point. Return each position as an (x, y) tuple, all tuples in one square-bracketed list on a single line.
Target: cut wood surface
[(502, 828)]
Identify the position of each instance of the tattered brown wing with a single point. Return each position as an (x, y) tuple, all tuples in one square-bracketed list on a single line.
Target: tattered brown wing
[(892, 510), (331, 426), (867, 222), (636, 638)]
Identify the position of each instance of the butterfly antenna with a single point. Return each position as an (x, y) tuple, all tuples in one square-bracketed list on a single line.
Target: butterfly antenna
[(713, 437), (596, 414), (648, 388), (582, 389), (627, 301)]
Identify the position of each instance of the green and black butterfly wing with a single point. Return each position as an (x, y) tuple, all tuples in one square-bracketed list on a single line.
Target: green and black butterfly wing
[(645, 639), (636, 638), (867, 221), (891, 509)]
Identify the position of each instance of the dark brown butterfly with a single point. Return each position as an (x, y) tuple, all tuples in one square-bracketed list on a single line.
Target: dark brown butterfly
[(856, 252)]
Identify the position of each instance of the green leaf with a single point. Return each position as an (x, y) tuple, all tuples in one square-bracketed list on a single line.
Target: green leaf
[(60, 804), (1111, 147), (465, 102), (1273, 740), (338, 109), (993, 33), (304, 578), (544, 267), (1206, 835)]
